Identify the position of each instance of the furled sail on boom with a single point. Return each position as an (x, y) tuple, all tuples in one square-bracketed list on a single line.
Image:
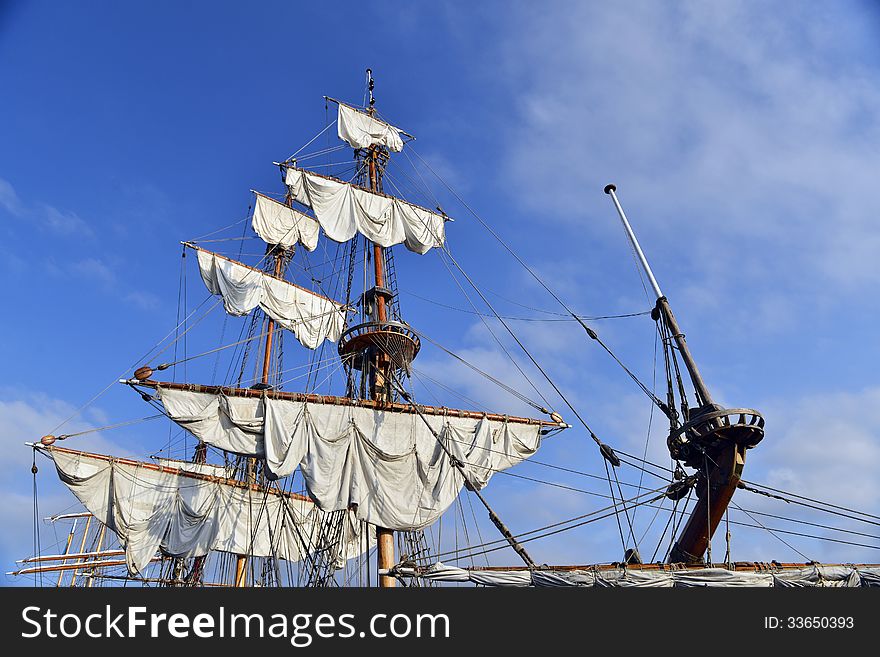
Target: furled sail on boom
[(385, 460), (343, 210), (362, 130), (279, 224), (187, 514), (309, 316)]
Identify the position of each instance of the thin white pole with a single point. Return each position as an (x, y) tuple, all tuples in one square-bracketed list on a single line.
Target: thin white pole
[(610, 190)]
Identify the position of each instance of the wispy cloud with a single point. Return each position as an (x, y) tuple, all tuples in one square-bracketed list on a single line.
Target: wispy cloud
[(741, 137), (143, 300), (46, 216), (9, 199), (64, 223), (94, 269), (25, 416)]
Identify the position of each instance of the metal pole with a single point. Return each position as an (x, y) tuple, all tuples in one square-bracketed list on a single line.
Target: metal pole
[(610, 190)]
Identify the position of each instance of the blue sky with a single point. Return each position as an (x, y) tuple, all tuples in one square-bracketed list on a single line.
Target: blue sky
[(743, 138)]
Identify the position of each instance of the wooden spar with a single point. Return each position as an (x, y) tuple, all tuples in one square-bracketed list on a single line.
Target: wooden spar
[(82, 565), (176, 471), (81, 547), (379, 377), (241, 571), (99, 546), (68, 516), (700, 388), (712, 502), (358, 109), (267, 354), (66, 551), (242, 559), (192, 246), (73, 555), (371, 191), (723, 464), (311, 398)]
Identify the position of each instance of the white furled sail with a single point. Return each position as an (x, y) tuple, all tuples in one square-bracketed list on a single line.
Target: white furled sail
[(309, 316), (343, 210), (386, 463), (362, 130), (811, 575), (210, 469), (276, 223), (185, 514)]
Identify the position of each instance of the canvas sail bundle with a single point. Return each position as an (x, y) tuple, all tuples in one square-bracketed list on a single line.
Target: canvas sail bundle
[(814, 575), (276, 223), (310, 317), (344, 210), (184, 515), (388, 464), (362, 130), (210, 469)]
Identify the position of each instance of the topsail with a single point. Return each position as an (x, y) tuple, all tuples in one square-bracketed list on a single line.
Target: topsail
[(362, 130), (343, 210)]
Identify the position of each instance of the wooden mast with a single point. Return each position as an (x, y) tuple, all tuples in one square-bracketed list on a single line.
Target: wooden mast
[(379, 374), (713, 439), (242, 559)]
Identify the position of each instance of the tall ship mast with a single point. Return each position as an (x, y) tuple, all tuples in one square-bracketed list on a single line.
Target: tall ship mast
[(340, 474)]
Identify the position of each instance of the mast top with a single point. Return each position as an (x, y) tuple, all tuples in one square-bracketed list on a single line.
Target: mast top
[(370, 84)]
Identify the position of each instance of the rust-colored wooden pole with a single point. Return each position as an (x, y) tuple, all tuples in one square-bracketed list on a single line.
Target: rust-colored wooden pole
[(66, 551), (384, 537), (712, 501), (242, 559), (267, 354), (98, 548), (80, 565), (241, 571), (82, 547)]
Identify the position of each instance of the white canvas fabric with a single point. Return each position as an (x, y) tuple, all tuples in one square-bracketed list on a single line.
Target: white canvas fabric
[(210, 469), (810, 576), (310, 317), (362, 130), (276, 223), (186, 516), (386, 463), (344, 210)]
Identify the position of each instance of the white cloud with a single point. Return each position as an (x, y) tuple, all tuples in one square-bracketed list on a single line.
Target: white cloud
[(64, 223), (741, 135), (46, 216), (95, 269), (9, 199), (825, 446), (26, 417), (143, 300), (104, 275)]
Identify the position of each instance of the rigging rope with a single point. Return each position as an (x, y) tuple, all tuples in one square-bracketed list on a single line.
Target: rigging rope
[(37, 549), (65, 436), (509, 537), (577, 318), (772, 532), (591, 517), (560, 318), (489, 328), (489, 377)]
